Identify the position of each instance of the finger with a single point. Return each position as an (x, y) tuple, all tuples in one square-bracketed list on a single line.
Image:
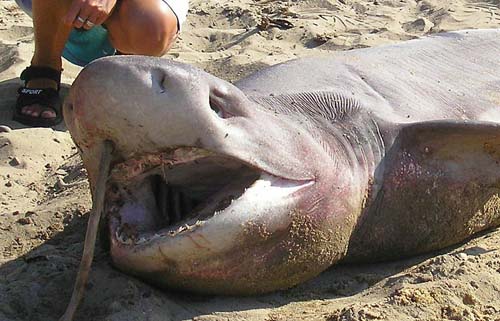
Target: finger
[(91, 21), (73, 11), (88, 25), (80, 20), (82, 17), (101, 18)]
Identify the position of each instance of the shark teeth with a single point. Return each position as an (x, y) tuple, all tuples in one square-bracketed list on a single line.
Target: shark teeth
[(264, 190), (148, 201), (125, 236)]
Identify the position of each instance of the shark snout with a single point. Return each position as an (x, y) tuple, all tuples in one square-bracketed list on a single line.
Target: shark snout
[(150, 106)]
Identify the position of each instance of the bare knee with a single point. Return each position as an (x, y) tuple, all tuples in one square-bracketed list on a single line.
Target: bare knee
[(153, 39), (145, 28)]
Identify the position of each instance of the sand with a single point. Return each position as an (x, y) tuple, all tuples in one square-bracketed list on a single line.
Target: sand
[(44, 198)]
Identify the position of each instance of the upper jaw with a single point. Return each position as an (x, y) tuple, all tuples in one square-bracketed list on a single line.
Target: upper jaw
[(192, 108)]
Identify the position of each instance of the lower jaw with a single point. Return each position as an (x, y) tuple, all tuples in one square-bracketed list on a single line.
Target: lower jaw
[(258, 270), (250, 265), (268, 189)]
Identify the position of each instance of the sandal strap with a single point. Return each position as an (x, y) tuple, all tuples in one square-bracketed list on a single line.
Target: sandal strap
[(46, 97), (34, 72)]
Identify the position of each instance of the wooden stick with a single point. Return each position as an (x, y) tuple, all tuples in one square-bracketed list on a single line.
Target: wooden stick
[(90, 236)]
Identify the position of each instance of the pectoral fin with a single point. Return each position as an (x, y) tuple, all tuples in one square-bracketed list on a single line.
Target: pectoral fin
[(439, 184)]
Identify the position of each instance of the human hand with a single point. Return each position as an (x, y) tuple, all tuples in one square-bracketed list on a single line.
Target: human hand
[(89, 13)]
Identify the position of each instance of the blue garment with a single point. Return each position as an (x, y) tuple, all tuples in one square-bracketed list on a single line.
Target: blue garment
[(83, 46)]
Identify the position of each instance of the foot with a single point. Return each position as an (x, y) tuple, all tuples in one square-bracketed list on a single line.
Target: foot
[(39, 103), (37, 110)]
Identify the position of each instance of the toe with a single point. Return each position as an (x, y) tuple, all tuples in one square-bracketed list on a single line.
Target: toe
[(35, 112), (31, 110), (27, 110), (48, 113)]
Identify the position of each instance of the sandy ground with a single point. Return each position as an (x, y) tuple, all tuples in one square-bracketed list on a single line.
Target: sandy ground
[(44, 199)]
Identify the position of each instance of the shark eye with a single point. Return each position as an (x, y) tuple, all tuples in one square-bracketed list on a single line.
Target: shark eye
[(216, 108), (216, 105)]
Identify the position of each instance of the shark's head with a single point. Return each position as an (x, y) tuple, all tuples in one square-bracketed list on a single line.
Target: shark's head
[(208, 191)]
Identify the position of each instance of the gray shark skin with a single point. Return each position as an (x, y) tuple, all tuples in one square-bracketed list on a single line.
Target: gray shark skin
[(366, 155)]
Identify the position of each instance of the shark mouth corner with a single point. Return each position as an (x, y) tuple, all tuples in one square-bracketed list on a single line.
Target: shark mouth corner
[(175, 192)]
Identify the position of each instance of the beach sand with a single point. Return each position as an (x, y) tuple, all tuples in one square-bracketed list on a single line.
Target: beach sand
[(44, 198)]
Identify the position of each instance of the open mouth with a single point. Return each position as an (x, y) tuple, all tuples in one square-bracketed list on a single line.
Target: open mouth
[(179, 190)]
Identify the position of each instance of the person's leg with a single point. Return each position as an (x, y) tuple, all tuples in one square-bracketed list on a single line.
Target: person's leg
[(142, 27), (50, 36)]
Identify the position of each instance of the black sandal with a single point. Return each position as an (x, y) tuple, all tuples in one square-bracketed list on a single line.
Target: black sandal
[(46, 97)]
